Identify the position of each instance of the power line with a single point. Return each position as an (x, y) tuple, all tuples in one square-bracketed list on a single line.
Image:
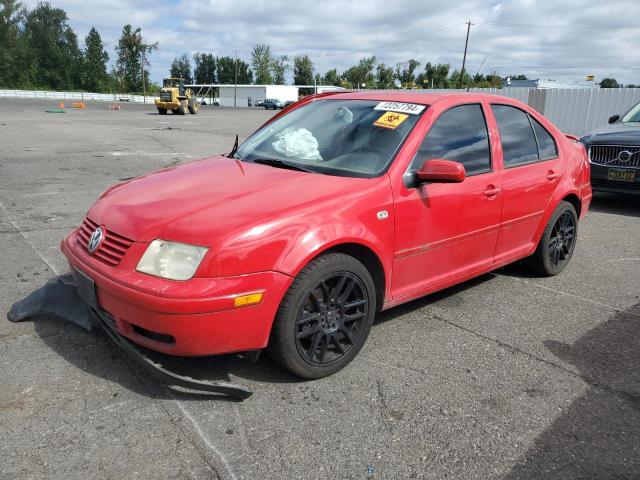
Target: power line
[(577, 27)]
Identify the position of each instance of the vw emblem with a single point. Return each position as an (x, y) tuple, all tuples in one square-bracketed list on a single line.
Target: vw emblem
[(624, 156), (95, 240)]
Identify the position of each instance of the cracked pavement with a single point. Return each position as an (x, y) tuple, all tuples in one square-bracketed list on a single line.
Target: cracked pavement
[(507, 376)]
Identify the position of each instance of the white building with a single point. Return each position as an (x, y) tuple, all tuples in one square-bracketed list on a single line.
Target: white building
[(245, 95)]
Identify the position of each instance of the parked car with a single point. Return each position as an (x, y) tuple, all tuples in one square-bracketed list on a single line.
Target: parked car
[(273, 103), (348, 204), (259, 103), (614, 153), (289, 102)]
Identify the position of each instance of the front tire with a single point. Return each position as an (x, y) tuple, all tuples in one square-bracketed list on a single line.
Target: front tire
[(557, 243), (193, 107), (162, 111), (180, 110), (325, 317)]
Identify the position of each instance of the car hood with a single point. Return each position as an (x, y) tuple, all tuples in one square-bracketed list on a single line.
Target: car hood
[(614, 134), (202, 201)]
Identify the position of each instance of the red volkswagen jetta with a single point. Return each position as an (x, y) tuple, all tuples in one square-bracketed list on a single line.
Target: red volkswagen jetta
[(339, 207)]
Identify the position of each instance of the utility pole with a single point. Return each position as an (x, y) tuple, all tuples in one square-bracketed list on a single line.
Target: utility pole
[(464, 58), (235, 81)]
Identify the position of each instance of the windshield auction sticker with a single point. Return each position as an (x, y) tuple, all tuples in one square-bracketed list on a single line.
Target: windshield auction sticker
[(390, 120), (411, 108)]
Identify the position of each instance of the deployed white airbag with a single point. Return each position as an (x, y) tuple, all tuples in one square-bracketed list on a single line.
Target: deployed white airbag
[(299, 144)]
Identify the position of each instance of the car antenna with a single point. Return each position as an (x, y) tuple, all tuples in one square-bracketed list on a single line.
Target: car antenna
[(235, 148), (480, 67)]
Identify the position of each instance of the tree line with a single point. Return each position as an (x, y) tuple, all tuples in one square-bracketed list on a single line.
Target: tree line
[(38, 49), (268, 68)]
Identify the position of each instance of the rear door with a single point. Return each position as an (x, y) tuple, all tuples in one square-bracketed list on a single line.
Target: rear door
[(532, 170), (446, 230)]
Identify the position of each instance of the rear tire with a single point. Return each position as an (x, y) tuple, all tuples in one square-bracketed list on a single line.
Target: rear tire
[(325, 317), (162, 111), (557, 243)]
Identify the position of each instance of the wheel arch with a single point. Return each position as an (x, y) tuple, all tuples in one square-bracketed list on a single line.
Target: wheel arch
[(365, 255), (574, 200)]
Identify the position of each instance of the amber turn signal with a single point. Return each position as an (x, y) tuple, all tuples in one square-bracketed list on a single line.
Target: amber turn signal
[(250, 299)]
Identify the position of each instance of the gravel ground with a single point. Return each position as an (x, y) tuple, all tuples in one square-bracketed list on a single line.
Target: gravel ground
[(507, 376)]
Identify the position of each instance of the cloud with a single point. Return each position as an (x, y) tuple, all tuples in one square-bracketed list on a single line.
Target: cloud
[(573, 38)]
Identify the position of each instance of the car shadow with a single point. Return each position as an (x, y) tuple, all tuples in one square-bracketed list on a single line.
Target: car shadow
[(598, 435), (618, 204), (94, 353)]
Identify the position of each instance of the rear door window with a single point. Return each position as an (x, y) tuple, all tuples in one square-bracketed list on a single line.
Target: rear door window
[(516, 135)]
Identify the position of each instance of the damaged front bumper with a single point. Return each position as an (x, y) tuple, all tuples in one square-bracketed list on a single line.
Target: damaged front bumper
[(73, 298)]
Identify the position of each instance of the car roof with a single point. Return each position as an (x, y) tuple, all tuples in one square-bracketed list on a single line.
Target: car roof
[(419, 97)]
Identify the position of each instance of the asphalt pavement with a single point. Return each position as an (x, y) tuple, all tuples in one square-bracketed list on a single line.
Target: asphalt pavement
[(508, 376)]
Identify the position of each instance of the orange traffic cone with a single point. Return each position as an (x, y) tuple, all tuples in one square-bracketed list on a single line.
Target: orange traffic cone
[(61, 105)]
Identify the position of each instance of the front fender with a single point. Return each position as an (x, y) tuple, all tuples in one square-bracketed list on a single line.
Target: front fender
[(288, 243)]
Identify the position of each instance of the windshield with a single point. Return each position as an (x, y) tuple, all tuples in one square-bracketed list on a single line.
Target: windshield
[(633, 116), (336, 137)]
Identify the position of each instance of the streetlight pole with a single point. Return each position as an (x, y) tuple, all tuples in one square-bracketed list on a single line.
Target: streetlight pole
[(144, 86), (235, 81)]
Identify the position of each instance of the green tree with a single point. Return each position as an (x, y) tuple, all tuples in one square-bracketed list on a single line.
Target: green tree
[(331, 78), (609, 83), (279, 67), (262, 61), (11, 16), (454, 79), (51, 49), (362, 74), (95, 78), (181, 68), (434, 76), (384, 77), (204, 68), (302, 70), (405, 72), (133, 53), (226, 71)]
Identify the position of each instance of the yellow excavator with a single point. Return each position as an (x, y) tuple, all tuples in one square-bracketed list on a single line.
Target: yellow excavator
[(175, 97)]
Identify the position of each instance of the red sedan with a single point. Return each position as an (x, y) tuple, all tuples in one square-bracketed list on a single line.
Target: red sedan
[(339, 207)]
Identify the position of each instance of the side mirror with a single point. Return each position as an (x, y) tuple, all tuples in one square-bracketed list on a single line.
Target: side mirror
[(441, 171), (614, 118)]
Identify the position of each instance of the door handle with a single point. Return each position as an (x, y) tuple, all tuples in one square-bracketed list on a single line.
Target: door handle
[(492, 191), (551, 175)]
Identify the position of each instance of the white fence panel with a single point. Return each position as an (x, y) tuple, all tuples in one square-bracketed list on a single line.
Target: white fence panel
[(76, 96), (575, 111)]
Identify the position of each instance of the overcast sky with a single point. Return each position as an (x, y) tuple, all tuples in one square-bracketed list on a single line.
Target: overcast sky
[(563, 40)]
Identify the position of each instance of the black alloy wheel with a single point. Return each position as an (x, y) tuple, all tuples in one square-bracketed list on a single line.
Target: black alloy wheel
[(562, 240), (331, 321), (325, 317), (558, 241)]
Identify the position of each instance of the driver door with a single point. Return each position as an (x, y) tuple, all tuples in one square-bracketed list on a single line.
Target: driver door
[(444, 231)]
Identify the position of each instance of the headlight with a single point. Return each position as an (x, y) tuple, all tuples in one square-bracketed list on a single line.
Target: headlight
[(172, 260)]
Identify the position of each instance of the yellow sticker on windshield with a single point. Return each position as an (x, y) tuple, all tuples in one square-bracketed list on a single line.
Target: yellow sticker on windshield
[(390, 120)]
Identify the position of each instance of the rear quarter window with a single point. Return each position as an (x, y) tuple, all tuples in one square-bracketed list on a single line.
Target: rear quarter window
[(546, 145)]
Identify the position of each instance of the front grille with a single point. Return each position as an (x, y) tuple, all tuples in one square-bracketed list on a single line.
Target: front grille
[(112, 248), (165, 96), (609, 155)]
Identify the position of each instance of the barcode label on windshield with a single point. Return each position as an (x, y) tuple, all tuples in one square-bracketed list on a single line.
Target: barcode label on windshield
[(411, 108)]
